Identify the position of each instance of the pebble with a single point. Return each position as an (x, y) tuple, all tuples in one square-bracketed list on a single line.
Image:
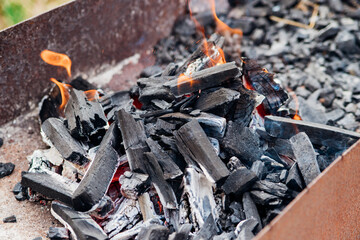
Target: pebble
[(10, 219), (6, 169)]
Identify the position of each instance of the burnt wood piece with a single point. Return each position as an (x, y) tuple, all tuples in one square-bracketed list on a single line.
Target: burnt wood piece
[(59, 136), (116, 99), (193, 141), (319, 134), (84, 117), (50, 184), (239, 181), (244, 230), (163, 188), (133, 133), (277, 189), (58, 233), (133, 184), (294, 179), (305, 157), (263, 82), (97, 179), (213, 125), (265, 199), (146, 207), (251, 210), (243, 107), (203, 79), (169, 167), (152, 88), (80, 224), (218, 102), (81, 84), (164, 128), (242, 142), (208, 230), (183, 232), (258, 167), (154, 231)]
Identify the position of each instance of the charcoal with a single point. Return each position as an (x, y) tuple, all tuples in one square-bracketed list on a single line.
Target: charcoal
[(154, 232), (10, 219), (146, 207), (161, 104), (116, 99), (85, 118), (312, 84), (152, 88), (242, 142), (91, 189), (193, 144), (319, 134), (208, 230), (237, 212), (234, 163), (283, 176), (258, 167), (239, 181), (217, 102), (17, 188), (305, 157), (203, 79), (329, 31), (283, 147), (273, 177), (6, 169), (81, 84), (170, 169), (213, 125), (183, 232), (250, 210), (336, 5), (56, 132), (131, 233), (133, 184), (244, 230), (58, 233), (1, 142), (80, 224), (243, 107), (163, 189), (277, 189), (170, 70), (310, 110), (294, 179), (215, 143), (225, 235), (134, 136), (151, 71), (265, 199)]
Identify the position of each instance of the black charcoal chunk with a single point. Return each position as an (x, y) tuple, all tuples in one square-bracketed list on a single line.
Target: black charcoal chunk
[(328, 32), (251, 210), (10, 219), (81, 84), (60, 138), (152, 88), (244, 230), (258, 167), (305, 157), (234, 163), (1, 142), (294, 179), (277, 189), (133, 184), (151, 71), (183, 232), (208, 230), (239, 181), (265, 199), (153, 232), (58, 233), (6, 169)]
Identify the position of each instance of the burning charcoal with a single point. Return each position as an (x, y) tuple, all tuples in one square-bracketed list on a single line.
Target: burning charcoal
[(217, 102), (193, 144), (243, 107), (120, 98), (263, 82), (265, 199), (11, 219), (154, 232), (6, 169), (146, 207), (134, 136), (133, 184), (91, 189), (59, 137), (170, 169), (305, 157), (183, 232), (161, 104), (85, 118), (258, 167), (244, 230), (58, 233), (203, 79), (163, 189), (251, 210), (319, 134), (239, 181), (80, 224), (199, 192), (277, 189), (208, 230), (294, 178), (50, 184), (242, 142), (152, 88)]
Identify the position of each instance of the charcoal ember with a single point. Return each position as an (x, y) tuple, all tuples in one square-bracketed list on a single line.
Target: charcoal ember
[(263, 82), (265, 199), (10, 219), (244, 230), (169, 167), (305, 157), (91, 189), (133, 184), (277, 189), (234, 163), (154, 232), (199, 192), (58, 136), (217, 102), (242, 142), (239, 181), (85, 118), (163, 189), (251, 210), (208, 230), (194, 145), (294, 179), (6, 169), (80, 224), (243, 108), (182, 233), (203, 79), (104, 208), (58, 233), (152, 88), (117, 99), (258, 167)]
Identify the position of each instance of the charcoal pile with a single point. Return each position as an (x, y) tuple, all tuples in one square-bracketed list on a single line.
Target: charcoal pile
[(207, 145)]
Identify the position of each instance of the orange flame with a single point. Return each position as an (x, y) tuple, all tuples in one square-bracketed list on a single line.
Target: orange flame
[(57, 59), (296, 100), (221, 27), (92, 95), (183, 78), (64, 92)]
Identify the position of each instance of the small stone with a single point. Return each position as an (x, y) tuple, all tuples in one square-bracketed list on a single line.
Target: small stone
[(351, 108), (336, 5), (335, 114), (1, 141), (6, 169), (346, 42), (312, 84), (10, 219), (347, 96), (328, 32), (58, 233), (349, 122), (258, 36), (302, 92), (38, 238)]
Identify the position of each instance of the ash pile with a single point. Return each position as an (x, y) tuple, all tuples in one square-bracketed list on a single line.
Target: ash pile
[(203, 148)]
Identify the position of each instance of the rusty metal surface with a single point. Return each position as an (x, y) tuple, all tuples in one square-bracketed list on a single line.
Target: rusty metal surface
[(96, 34), (328, 209)]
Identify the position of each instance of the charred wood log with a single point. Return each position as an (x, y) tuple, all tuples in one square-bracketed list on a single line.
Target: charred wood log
[(250, 210), (133, 184), (152, 88), (154, 231), (208, 230), (239, 181), (294, 179), (120, 98)]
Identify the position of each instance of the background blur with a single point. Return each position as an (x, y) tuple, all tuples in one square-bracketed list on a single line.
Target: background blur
[(14, 11)]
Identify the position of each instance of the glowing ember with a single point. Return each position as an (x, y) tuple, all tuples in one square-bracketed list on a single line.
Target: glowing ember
[(64, 93), (57, 59), (293, 95), (183, 78), (92, 95)]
